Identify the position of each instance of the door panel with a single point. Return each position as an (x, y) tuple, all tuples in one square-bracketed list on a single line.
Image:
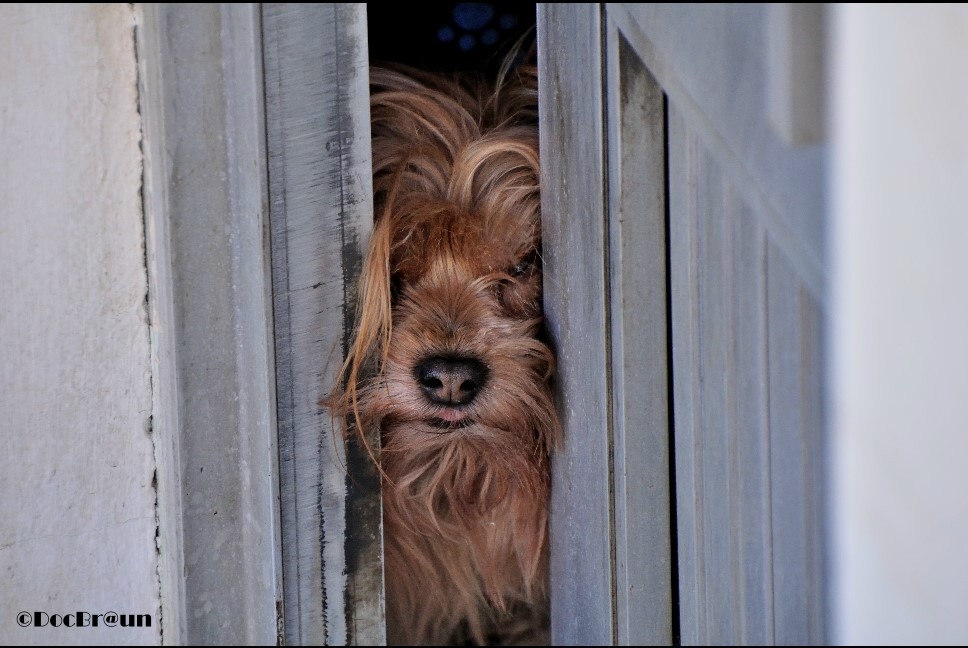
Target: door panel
[(638, 348), (746, 353), (682, 117)]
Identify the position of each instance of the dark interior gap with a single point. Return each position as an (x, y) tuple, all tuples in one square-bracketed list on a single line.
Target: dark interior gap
[(673, 527), (447, 36)]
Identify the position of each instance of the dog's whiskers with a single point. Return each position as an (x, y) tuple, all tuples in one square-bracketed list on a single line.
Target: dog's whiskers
[(450, 426)]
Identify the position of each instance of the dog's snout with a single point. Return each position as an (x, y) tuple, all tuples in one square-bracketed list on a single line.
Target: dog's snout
[(451, 381)]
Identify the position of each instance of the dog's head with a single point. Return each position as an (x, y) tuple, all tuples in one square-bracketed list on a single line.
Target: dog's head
[(448, 343)]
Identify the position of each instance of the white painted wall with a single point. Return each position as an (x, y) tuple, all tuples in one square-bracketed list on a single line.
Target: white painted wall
[(77, 515), (899, 324)]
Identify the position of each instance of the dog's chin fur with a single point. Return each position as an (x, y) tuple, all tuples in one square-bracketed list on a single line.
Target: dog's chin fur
[(453, 271)]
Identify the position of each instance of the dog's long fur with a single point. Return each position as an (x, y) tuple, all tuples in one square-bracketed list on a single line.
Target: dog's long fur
[(453, 272)]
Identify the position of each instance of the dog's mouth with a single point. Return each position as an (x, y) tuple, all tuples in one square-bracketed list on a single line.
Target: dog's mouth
[(450, 419)]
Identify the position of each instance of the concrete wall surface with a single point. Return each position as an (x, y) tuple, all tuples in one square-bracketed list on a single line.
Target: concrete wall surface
[(77, 499)]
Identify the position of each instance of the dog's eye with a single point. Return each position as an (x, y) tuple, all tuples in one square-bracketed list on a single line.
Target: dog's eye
[(521, 268)]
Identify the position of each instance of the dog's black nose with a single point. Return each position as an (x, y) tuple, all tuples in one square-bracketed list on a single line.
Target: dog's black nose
[(451, 381)]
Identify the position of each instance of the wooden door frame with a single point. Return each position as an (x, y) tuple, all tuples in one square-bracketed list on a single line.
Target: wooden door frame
[(210, 308), (604, 248)]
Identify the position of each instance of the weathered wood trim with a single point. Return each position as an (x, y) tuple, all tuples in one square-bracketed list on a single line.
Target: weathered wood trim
[(211, 324), (575, 273), (796, 88), (638, 334), (317, 104)]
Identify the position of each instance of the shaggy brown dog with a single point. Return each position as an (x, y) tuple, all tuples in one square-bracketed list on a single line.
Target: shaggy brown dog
[(448, 358)]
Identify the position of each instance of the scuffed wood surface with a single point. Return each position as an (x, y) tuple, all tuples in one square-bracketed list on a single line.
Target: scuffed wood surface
[(320, 189)]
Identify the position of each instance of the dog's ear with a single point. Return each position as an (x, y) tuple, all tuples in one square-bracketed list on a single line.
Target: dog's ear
[(374, 301), (515, 96), (371, 337)]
